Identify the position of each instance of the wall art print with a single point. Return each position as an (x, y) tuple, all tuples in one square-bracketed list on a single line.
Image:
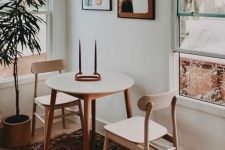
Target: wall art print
[(105, 5)]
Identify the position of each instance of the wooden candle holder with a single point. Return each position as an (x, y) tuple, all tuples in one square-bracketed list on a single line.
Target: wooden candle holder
[(96, 76)]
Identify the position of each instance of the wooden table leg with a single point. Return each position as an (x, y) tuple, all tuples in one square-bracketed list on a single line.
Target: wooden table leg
[(86, 132), (128, 103), (93, 113), (48, 124)]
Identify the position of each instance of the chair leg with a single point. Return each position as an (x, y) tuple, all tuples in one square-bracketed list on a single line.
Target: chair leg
[(33, 120), (63, 119), (46, 119), (106, 143), (81, 114)]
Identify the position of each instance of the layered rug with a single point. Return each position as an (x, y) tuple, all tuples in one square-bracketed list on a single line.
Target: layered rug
[(73, 141)]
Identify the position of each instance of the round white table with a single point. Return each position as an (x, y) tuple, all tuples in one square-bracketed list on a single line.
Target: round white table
[(88, 91)]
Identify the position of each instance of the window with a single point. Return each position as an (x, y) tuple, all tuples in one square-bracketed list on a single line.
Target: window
[(200, 36), (28, 57)]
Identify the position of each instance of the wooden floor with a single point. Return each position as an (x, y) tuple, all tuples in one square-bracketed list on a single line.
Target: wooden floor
[(56, 131)]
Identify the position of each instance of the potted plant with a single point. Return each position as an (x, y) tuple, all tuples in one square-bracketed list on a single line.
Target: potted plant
[(18, 30)]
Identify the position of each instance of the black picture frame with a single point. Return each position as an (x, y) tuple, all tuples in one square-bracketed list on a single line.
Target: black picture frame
[(128, 10), (99, 5)]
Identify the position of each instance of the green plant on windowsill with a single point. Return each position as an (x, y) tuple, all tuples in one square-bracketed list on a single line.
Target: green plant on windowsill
[(18, 30)]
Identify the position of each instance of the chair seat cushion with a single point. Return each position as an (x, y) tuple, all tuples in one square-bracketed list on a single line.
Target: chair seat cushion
[(132, 129), (61, 98)]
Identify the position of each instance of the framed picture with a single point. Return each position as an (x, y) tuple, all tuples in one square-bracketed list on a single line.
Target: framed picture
[(138, 9), (97, 5)]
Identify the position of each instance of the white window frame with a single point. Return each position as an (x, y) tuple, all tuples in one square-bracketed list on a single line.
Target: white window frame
[(174, 70), (25, 79), (176, 39)]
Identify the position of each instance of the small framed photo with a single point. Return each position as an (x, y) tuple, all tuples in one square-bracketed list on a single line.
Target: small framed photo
[(105, 5), (137, 9)]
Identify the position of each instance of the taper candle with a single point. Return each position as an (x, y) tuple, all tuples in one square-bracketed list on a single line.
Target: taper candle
[(79, 57), (95, 63)]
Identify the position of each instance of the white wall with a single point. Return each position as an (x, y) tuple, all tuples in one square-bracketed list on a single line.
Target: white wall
[(139, 48), (197, 129)]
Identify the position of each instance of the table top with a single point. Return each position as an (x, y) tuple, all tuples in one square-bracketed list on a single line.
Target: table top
[(110, 82)]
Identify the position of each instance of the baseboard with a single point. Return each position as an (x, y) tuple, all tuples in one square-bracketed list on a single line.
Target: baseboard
[(99, 124)]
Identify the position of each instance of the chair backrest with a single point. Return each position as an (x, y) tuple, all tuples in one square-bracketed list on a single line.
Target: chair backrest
[(44, 67), (47, 66), (159, 101)]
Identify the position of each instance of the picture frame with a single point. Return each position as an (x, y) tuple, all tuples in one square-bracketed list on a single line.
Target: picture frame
[(101, 5), (136, 9)]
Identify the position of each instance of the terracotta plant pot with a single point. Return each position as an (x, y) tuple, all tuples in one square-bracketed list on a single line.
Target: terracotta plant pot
[(16, 131)]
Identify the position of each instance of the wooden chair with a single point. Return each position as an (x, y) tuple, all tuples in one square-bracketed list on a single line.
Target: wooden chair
[(63, 101), (137, 133)]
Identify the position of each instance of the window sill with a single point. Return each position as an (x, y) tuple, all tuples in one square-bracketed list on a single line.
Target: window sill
[(23, 80), (201, 106)]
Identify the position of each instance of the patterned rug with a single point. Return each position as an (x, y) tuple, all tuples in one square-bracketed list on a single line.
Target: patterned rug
[(73, 141)]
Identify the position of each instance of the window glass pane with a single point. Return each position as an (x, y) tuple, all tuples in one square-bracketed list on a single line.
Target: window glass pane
[(43, 8), (2, 2), (202, 34), (23, 66), (202, 78), (42, 36), (202, 6), (28, 57)]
